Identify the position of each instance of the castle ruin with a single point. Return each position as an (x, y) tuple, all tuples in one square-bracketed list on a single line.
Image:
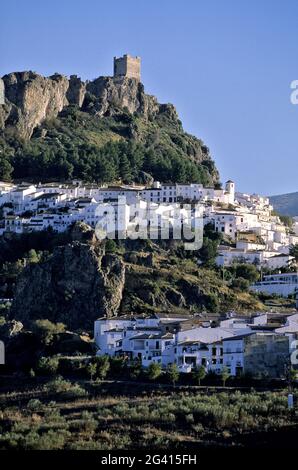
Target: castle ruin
[(127, 66)]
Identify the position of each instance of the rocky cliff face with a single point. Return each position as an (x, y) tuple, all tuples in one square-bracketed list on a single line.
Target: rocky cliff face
[(111, 93), (32, 98), (76, 285)]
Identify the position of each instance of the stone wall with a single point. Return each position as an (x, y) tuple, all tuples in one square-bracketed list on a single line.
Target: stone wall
[(127, 66)]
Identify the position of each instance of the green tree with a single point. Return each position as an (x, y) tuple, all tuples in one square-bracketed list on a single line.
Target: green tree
[(117, 365), (91, 370), (287, 220), (240, 284), (199, 374), (33, 257), (102, 366), (154, 371), (172, 373), (46, 330), (208, 252), (48, 365), (135, 369), (110, 246), (225, 374), (125, 169), (5, 168), (247, 271)]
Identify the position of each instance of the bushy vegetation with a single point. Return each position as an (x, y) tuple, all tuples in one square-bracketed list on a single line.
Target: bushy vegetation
[(107, 149), (65, 388), (163, 420), (46, 330)]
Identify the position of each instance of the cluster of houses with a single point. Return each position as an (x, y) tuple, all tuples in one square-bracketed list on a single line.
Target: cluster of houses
[(253, 233), (259, 345)]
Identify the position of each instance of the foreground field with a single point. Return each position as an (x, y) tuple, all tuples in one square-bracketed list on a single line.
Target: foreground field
[(65, 415)]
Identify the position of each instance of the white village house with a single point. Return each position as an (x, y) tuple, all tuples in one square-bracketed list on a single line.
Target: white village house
[(242, 345), (255, 235)]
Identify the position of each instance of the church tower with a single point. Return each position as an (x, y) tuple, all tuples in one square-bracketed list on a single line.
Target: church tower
[(230, 189)]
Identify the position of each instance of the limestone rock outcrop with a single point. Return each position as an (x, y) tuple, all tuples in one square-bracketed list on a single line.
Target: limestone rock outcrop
[(30, 98), (122, 93), (77, 284)]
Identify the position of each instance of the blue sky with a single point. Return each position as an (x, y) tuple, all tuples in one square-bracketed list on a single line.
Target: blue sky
[(226, 65)]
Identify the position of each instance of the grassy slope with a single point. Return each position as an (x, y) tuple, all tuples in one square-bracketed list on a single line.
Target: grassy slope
[(177, 285)]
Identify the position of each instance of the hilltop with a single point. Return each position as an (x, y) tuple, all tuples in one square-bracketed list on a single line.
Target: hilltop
[(103, 130)]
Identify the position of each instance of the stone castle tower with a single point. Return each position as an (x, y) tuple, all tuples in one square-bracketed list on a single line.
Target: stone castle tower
[(127, 66)]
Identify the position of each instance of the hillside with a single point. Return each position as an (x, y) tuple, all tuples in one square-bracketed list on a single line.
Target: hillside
[(139, 276), (103, 130), (286, 204)]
